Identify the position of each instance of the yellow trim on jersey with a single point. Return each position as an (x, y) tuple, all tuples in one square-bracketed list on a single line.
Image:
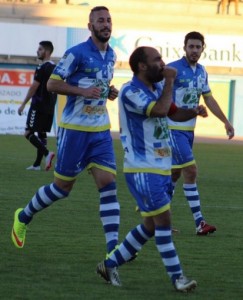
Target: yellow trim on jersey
[(207, 94), (150, 107), (110, 170), (185, 128), (54, 76), (147, 170), (155, 212), (66, 178), (84, 128), (184, 165)]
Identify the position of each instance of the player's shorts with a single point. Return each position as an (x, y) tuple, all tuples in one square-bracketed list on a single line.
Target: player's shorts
[(38, 122), (153, 192), (78, 150), (182, 143)]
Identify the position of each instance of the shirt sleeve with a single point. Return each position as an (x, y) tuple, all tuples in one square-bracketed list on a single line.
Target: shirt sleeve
[(39, 73), (136, 100), (66, 66)]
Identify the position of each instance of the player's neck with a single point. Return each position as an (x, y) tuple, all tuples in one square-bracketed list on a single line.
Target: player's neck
[(100, 45), (148, 84), (46, 59), (191, 64)]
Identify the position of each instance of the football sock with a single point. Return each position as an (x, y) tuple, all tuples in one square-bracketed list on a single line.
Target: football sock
[(192, 195), (35, 141), (167, 252), (39, 157), (110, 214), (43, 138), (44, 197), (133, 243)]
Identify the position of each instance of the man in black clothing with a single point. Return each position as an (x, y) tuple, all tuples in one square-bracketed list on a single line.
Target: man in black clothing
[(41, 112)]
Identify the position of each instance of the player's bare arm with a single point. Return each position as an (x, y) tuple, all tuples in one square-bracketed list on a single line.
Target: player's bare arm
[(202, 111), (182, 114), (213, 106), (32, 90), (162, 106)]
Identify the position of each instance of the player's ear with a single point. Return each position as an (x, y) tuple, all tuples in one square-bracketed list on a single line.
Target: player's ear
[(89, 26), (142, 66), (184, 48)]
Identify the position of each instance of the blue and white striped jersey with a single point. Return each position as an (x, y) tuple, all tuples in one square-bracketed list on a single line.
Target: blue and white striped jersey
[(145, 139), (189, 85), (84, 66)]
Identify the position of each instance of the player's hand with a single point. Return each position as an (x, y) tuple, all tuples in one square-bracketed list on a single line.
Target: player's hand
[(92, 92), (21, 109), (169, 73), (229, 130), (202, 111), (113, 93)]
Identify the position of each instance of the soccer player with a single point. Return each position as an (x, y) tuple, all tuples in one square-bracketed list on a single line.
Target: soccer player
[(144, 133), (41, 112), (84, 140), (190, 84)]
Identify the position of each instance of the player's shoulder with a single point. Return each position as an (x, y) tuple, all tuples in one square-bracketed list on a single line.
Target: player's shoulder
[(76, 49), (201, 66), (175, 63), (130, 86), (130, 91)]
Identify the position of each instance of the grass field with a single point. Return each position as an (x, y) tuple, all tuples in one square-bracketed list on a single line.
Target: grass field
[(65, 242)]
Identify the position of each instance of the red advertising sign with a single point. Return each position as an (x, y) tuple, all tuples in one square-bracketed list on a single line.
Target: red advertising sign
[(16, 77)]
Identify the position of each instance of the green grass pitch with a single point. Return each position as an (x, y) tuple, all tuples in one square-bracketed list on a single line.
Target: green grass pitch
[(65, 242)]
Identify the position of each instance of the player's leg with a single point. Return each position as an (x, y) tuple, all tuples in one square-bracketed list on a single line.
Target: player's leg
[(223, 4), (33, 124), (183, 162), (218, 6), (182, 155), (191, 192), (109, 206), (102, 165), (183, 159), (43, 198), (36, 122), (46, 125), (237, 7), (168, 253), (43, 138), (193, 198), (156, 219), (47, 195)]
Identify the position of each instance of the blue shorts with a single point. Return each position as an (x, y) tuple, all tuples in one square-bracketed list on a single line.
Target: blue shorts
[(78, 150), (182, 143), (153, 192)]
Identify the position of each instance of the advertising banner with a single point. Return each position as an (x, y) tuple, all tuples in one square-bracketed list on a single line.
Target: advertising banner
[(14, 84)]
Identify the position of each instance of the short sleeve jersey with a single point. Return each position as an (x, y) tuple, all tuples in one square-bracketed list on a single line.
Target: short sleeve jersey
[(44, 101), (189, 85), (84, 66), (145, 139)]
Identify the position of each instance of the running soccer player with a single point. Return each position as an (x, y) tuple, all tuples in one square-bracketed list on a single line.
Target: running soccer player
[(190, 84), (84, 140)]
